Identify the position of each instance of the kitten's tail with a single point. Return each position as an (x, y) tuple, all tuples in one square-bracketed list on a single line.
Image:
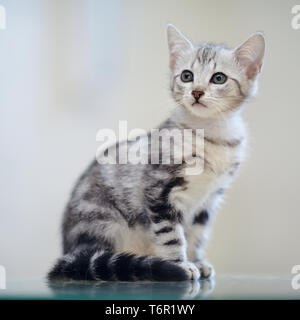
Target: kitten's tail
[(110, 266)]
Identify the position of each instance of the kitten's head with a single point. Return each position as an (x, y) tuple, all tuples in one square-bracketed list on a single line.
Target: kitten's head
[(210, 80)]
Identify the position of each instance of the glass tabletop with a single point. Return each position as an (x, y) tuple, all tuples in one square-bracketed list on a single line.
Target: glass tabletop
[(222, 287)]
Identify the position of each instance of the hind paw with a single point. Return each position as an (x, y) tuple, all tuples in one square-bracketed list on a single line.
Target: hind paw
[(191, 270), (206, 270)]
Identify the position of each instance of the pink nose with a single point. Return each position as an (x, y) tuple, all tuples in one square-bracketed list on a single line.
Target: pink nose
[(197, 94)]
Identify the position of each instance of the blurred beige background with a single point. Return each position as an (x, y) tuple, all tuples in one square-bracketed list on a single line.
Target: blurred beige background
[(69, 68)]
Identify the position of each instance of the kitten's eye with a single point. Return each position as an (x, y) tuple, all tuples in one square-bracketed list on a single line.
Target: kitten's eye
[(187, 76), (218, 78)]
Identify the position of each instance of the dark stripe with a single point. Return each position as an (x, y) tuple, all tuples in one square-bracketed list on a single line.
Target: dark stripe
[(160, 207), (124, 267), (173, 216), (234, 168), (201, 218), (233, 143), (173, 82), (142, 219), (211, 141), (85, 239), (102, 266), (162, 213), (176, 260), (199, 243), (224, 143), (172, 242), (157, 218), (196, 57), (220, 191), (205, 53), (239, 86), (164, 230), (208, 165)]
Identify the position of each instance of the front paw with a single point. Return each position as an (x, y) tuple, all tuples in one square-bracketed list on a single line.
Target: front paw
[(191, 270), (206, 270)]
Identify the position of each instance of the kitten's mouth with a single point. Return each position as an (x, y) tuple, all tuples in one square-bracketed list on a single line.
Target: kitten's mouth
[(199, 103)]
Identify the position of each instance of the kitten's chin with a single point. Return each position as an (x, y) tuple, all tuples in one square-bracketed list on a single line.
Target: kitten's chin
[(199, 110)]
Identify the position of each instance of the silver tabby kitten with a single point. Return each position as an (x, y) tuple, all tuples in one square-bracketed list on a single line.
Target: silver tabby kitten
[(149, 221)]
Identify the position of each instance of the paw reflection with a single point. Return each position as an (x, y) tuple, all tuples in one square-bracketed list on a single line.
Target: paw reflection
[(131, 290)]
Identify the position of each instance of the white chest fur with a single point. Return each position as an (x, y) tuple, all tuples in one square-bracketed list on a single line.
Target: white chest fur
[(224, 150)]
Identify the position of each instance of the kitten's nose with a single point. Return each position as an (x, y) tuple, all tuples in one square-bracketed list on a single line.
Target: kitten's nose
[(197, 94)]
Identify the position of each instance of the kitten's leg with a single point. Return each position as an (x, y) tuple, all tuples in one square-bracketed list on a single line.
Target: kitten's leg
[(197, 233), (196, 237), (170, 244)]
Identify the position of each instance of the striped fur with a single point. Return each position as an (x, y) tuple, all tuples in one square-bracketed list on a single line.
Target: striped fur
[(109, 266), (127, 222)]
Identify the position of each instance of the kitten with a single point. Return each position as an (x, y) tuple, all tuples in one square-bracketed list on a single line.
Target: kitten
[(149, 221)]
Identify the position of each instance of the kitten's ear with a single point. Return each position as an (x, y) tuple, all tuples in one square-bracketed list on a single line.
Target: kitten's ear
[(177, 44), (250, 54)]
